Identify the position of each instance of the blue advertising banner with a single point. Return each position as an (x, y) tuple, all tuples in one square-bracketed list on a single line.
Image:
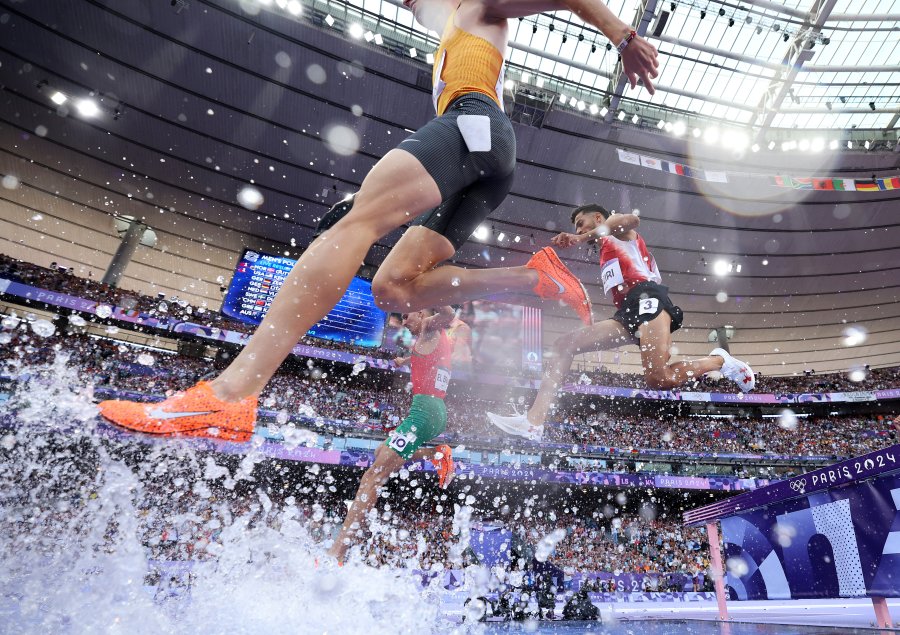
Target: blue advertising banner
[(841, 542)]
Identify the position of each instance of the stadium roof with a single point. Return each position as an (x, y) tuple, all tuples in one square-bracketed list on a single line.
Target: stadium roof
[(802, 64)]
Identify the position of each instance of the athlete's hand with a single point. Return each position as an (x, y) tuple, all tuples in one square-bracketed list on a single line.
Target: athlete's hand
[(640, 61), (565, 240), (399, 361)]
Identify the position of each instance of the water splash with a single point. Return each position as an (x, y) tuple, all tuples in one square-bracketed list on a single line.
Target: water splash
[(87, 517)]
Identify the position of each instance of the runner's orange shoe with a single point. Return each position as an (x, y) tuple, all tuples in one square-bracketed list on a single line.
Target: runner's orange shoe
[(196, 412), (556, 282), (443, 463)]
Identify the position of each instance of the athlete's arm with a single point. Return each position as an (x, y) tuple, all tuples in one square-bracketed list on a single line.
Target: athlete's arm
[(565, 239), (639, 57), (441, 320), (401, 361), (619, 225)]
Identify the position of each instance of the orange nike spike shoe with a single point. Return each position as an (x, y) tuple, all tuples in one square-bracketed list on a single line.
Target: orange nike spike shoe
[(196, 412), (443, 463), (556, 282)]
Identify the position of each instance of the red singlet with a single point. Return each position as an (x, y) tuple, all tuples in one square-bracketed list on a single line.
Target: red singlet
[(431, 372), (623, 264)]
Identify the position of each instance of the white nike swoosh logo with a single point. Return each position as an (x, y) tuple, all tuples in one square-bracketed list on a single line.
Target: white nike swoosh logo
[(158, 413), (562, 289)]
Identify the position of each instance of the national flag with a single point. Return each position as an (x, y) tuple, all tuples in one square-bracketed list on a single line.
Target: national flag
[(783, 181), (844, 185), (802, 183), (866, 185), (890, 183), (628, 157), (823, 184), (650, 162), (694, 173), (260, 302)]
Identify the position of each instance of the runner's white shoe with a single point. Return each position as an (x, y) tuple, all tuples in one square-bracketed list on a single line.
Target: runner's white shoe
[(737, 371), (518, 425)]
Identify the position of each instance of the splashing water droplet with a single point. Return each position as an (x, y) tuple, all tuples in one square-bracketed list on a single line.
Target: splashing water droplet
[(855, 335), (342, 140), (283, 59), (43, 328), (737, 566), (787, 419), (316, 74), (250, 198), (146, 359)]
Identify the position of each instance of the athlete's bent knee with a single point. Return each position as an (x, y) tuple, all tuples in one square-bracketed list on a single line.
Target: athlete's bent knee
[(391, 296)]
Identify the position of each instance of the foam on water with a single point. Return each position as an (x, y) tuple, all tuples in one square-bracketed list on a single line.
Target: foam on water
[(75, 505)]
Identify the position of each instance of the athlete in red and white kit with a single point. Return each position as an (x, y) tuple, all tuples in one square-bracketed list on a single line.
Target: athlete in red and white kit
[(645, 315)]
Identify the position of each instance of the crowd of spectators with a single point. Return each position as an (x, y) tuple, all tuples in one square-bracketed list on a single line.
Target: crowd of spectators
[(64, 280), (358, 406), (418, 533)]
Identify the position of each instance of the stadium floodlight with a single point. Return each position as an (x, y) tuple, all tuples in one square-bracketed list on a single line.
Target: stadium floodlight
[(481, 232), (88, 108), (720, 268), (58, 98)]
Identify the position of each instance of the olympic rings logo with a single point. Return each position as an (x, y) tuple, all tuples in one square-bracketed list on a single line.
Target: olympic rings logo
[(799, 485)]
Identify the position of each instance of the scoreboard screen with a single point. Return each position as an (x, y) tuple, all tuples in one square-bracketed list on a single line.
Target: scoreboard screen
[(258, 277)]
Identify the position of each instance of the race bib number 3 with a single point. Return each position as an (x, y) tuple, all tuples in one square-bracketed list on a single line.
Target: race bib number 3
[(442, 379), (648, 306)]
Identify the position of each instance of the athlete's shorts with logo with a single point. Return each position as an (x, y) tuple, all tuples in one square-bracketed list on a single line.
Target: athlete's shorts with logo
[(470, 152), (643, 303), (427, 418)]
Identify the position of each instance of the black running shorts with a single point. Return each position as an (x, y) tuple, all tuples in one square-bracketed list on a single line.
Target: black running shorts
[(643, 303), (470, 152)]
